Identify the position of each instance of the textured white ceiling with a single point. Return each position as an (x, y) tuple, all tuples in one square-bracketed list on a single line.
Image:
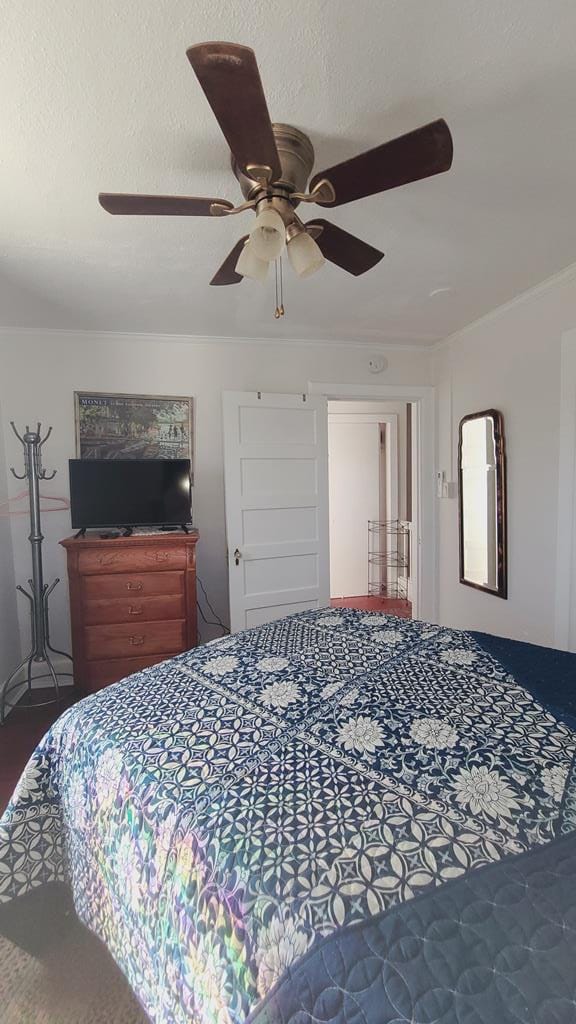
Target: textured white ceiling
[(99, 95)]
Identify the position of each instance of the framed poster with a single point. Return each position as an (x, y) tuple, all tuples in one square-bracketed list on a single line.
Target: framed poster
[(133, 426)]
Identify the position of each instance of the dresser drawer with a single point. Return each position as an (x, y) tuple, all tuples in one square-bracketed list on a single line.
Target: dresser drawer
[(100, 673), (143, 558), (133, 639), (137, 585), (135, 609)]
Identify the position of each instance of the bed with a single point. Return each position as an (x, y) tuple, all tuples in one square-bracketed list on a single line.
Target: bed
[(336, 817)]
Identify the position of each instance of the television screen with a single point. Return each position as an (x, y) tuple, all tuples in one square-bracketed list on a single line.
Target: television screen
[(130, 492)]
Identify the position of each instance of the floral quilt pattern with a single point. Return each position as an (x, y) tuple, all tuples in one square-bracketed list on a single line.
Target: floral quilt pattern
[(219, 814)]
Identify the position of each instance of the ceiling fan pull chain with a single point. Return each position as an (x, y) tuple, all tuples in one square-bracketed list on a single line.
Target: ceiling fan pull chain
[(277, 313), (281, 289)]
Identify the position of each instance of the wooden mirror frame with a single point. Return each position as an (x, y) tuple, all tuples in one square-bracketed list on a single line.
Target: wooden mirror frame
[(501, 589)]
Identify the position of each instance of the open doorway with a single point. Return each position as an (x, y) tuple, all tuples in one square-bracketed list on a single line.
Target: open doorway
[(371, 478)]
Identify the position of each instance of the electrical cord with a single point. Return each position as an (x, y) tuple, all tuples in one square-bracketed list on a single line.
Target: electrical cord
[(218, 621), (209, 621)]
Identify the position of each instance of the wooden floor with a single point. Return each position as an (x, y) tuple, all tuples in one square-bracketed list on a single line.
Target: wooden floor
[(23, 730), (388, 605)]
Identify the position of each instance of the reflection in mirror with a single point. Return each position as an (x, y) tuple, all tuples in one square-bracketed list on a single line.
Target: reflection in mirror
[(481, 472)]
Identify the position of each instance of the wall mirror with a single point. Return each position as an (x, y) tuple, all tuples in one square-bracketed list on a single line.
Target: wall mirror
[(482, 502)]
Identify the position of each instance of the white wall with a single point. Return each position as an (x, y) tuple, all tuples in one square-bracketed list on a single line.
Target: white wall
[(9, 634), (509, 361), (45, 368), (354, 453), (566, 535)]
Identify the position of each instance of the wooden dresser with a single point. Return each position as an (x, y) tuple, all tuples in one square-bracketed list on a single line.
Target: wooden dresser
[(132, 603)]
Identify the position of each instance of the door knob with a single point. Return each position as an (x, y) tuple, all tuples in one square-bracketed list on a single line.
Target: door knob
[(237, 557)]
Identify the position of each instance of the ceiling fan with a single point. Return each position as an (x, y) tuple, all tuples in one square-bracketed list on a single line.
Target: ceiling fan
[(273, 163)]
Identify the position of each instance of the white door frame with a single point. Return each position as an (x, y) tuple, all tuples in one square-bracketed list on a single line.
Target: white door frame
[(425, 598), (565, 617)]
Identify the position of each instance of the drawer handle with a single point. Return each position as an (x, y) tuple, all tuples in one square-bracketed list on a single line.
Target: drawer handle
[(136, 641), (135, 611), (134, 586)]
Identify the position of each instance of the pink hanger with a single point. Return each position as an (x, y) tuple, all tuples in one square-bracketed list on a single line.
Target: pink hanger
[(6, 507)]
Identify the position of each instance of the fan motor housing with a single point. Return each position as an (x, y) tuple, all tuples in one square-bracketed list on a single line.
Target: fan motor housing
[(296, 160)]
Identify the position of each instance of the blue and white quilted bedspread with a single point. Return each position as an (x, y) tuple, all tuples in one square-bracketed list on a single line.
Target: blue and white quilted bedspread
[(223, 815)]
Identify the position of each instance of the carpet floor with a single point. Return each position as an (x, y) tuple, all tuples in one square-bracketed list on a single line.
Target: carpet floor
[(78, 983)]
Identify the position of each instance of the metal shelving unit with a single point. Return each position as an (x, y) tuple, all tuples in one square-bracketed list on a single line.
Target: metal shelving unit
[(388, 558)]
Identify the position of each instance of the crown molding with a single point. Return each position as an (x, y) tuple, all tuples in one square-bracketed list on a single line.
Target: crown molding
[(118, 337), (563, 276)]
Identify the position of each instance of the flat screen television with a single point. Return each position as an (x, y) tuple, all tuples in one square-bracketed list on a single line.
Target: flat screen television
[(130, 492)]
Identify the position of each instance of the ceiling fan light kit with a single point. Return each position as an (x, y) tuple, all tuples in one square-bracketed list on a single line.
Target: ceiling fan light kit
[(268, 236), (250, 265), (304, 254), (273, 164)]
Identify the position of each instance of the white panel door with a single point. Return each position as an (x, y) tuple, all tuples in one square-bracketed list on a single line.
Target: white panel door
[(276, 480)]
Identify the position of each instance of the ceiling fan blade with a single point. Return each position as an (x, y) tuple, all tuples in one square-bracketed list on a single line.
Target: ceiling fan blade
[(344, 249), (229, 76), (226, 274), (159, 206), (419, 154)]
